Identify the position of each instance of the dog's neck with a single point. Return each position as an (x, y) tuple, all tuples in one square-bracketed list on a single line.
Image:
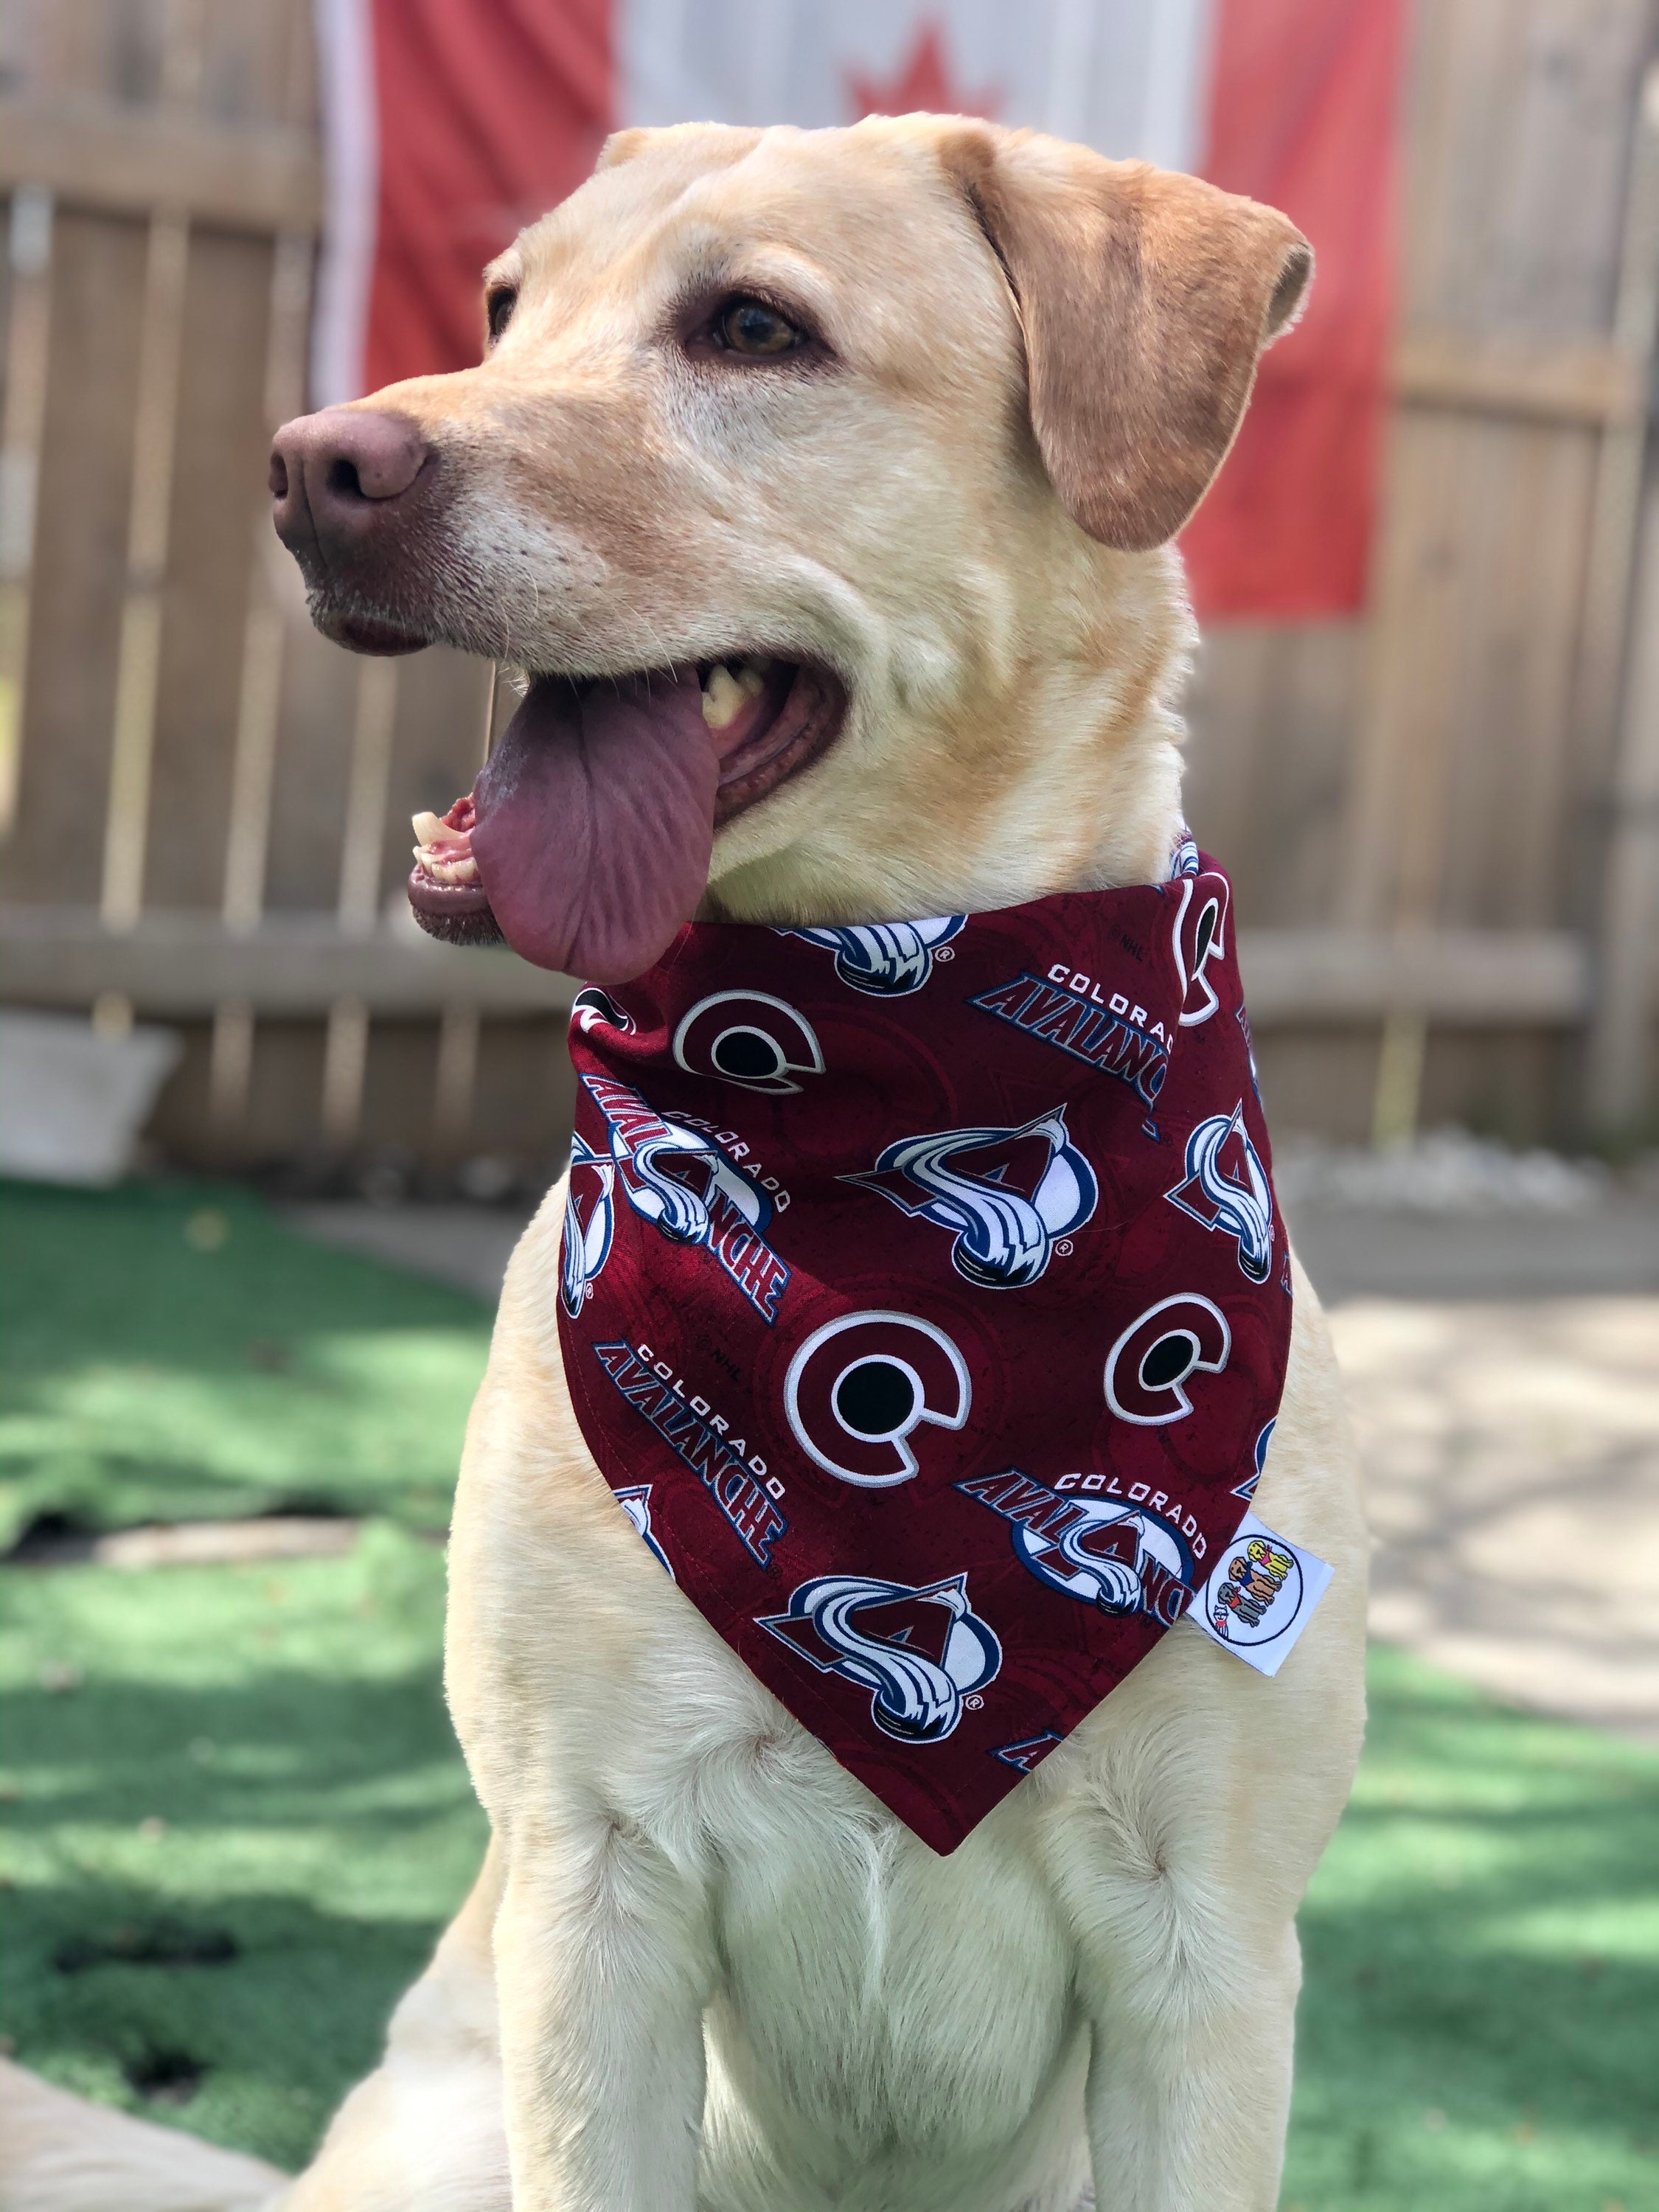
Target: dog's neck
[(1061, 770)]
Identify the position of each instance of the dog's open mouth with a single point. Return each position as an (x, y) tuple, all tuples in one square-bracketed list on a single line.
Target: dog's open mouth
[(586, 842)]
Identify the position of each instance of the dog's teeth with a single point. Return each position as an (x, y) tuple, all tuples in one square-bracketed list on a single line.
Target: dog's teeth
[(723, 697), (751, 682), (463, 871), (428, 828)]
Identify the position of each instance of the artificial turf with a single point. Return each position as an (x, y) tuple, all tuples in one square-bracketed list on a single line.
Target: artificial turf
[(169, 1352), (237, 1819), (1479, 2029)]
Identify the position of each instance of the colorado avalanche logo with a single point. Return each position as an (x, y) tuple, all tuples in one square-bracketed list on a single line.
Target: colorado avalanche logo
[(748, 1038), (681, 1182), (676, 1178), (1005, 1194), (1226, 1187), (1148, 1368), (1028, 1753), (1110, 1551), (1116, 1557), (1199, 937), (636, 1504), (590, 1223), (920, 1652), (888, 958), (859, 1387), (592, 1009)]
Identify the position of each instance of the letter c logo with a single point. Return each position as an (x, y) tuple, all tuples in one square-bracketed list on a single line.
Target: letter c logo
[(748, 1038), (1199, 937), (1158, 1354), (858, 1386), (592, 1008)]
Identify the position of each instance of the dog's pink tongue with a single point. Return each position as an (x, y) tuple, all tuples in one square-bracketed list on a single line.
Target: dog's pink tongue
[(595, 823)]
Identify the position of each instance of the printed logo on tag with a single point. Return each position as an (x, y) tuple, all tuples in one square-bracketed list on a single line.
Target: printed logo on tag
[(1259, 1595)]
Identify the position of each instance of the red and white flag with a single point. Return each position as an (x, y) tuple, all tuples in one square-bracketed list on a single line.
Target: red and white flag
[(452, 122)]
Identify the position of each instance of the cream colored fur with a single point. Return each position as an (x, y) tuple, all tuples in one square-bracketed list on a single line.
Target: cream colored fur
[(702, 1966)]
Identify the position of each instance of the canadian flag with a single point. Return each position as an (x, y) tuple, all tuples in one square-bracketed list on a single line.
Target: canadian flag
[(450, 123)]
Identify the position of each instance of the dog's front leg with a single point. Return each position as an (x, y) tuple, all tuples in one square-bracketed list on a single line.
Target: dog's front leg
[(1190, 2081), (601, 1959)]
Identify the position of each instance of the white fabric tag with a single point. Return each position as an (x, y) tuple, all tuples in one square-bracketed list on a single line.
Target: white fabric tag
[(1259, 1595)]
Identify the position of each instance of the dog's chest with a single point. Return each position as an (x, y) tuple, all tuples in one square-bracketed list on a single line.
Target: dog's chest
[(869, 1988)]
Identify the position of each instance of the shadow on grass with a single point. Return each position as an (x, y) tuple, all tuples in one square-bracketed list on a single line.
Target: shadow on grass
[(244, 1827), (1478, 2020), (241, 1369), (295, 1750), (254, 2050)]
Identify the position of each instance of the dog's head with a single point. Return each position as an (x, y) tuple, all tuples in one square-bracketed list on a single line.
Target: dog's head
[(819, 484)]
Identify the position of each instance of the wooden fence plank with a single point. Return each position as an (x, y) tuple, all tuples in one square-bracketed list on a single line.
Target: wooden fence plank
[(127, 160), (1592, 381), (345, 1062), (455, 1078), (1619, 1073), (1621, 1041), (363, 846), (1549, 255), (1605, 580), (1483, 978), (254, 763), (1273, 715), (27, 351), (183, 963), (1526, 495), (138, 664), (1402, 738), (258, 66), (313, 754), (79, 557), (224, 328), (282, 82)]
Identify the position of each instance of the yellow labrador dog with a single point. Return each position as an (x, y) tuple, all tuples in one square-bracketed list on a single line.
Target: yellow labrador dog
[(884, 432)]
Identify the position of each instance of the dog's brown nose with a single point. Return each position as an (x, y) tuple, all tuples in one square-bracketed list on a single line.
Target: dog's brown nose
[(333, 474)]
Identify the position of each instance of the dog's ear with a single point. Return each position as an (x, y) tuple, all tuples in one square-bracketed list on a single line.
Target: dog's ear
[(622, 146), (711, 145), (1145, 298)]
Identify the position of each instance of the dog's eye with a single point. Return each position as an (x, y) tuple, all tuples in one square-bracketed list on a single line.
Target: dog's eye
[(750, 327), (498, 307)]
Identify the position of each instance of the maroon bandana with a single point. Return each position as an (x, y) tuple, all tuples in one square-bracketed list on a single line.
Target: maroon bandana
[(925, 1305)]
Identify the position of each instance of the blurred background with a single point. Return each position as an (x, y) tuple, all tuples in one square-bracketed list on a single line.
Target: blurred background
[(268, 1145), (1425, 715)]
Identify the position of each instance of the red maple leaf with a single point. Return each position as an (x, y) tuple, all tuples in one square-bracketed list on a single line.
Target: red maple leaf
[(924, 81)]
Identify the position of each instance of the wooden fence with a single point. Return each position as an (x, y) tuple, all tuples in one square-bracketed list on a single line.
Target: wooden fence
[(1443, 823), (1466, 785)]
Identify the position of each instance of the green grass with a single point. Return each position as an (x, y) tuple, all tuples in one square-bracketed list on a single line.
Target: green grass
[(1479, 2021), (169, 1352), (1480, 2031), (257, 1753), (238, 1820)]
